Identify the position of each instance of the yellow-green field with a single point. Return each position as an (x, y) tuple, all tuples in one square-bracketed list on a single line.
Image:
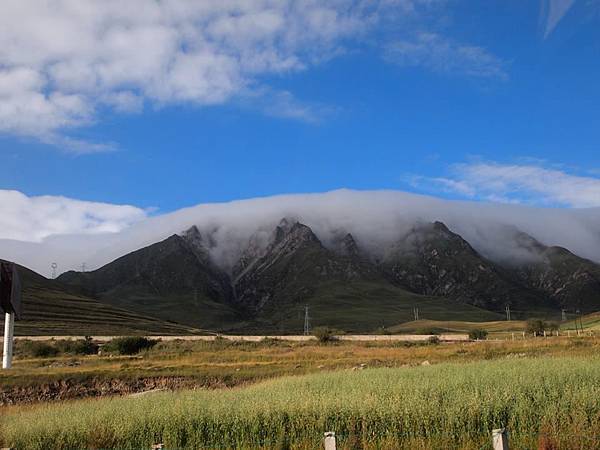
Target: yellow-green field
[(448, 405), (278, 394)]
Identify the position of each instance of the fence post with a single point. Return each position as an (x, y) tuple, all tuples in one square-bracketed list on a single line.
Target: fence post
[(500, 439), (330, 441)]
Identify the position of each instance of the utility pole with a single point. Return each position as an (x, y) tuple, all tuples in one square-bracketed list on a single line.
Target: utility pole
[(416, 313), (507, 309), (306, 322)]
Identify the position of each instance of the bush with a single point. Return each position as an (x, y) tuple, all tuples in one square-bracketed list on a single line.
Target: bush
[(538, 326), (39, 349), (130, 345), (78, 347), (478, 335), (433, 340), (324, 334)]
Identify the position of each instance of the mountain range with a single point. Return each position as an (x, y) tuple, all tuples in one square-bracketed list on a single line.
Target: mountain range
[(342, 281)]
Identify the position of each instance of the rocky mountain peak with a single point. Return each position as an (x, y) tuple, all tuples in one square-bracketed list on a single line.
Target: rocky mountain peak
[(197, 243), (345, 245)]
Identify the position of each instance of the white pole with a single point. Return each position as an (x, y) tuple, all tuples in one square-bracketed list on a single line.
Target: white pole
[(9, 330), (330, 441), (500, 439)]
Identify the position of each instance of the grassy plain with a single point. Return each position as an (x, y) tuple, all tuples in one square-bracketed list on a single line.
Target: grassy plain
[(224, 363), (449, 405)]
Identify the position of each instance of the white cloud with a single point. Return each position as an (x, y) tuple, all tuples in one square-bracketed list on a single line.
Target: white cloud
[(62, 60), (375, 218), (36, 218), (514, 183), (440, 54)]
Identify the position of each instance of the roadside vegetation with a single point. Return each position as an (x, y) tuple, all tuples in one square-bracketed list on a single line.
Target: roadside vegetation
[(59, 375), (440, 406)]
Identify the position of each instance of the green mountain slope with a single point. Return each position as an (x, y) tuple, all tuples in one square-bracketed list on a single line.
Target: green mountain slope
[(51, 308), (172, 280)]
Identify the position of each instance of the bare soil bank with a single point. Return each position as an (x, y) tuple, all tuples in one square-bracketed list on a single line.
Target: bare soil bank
[(70, 389)]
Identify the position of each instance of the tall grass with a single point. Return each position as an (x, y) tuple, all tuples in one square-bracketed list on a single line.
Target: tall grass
[(439, 406)]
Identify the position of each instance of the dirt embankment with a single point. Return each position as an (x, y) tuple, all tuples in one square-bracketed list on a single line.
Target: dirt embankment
[(68, 390)]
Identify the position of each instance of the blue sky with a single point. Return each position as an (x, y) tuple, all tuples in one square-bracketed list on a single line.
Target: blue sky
[(488, 100)]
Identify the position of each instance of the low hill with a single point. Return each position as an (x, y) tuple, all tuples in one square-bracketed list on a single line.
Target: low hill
[(51, 308)]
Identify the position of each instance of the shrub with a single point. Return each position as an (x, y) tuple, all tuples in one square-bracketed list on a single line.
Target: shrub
[(536, 326), (130, 345), (324, 334), (78, 347), (478, 335), (39, 349), (433, 340)]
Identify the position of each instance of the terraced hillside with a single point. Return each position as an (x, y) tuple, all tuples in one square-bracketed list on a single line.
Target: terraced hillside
[(50, 308)]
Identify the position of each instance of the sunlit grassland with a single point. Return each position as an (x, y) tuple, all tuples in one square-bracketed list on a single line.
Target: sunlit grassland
[(447, 405), (225, 363)]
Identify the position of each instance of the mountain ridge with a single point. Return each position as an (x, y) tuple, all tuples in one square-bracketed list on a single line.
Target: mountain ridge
[(179, 279)]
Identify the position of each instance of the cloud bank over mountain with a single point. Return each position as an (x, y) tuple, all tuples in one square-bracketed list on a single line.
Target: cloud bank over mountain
[(375, 219)]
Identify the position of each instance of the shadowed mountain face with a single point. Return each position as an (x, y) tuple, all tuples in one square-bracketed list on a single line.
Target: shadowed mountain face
[(571, 281), (174, 279), (53, 308), (293, 266), (429, 267), (432, 260)]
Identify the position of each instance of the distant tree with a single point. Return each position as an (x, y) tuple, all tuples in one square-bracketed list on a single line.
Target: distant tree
[(130, 345), (324, 334), (433, 340), (536, 326), (478, 335)]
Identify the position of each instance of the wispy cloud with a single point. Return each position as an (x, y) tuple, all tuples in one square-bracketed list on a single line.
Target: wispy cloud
[(35, 218), (444, 55), (516, 183), (284, 104), (553, 12)]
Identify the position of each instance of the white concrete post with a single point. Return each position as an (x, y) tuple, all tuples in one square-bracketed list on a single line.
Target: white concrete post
[(9, 330), (500, 439), (330, 441)]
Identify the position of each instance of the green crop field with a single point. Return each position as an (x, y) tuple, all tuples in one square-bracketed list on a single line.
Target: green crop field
[(439, 406)]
